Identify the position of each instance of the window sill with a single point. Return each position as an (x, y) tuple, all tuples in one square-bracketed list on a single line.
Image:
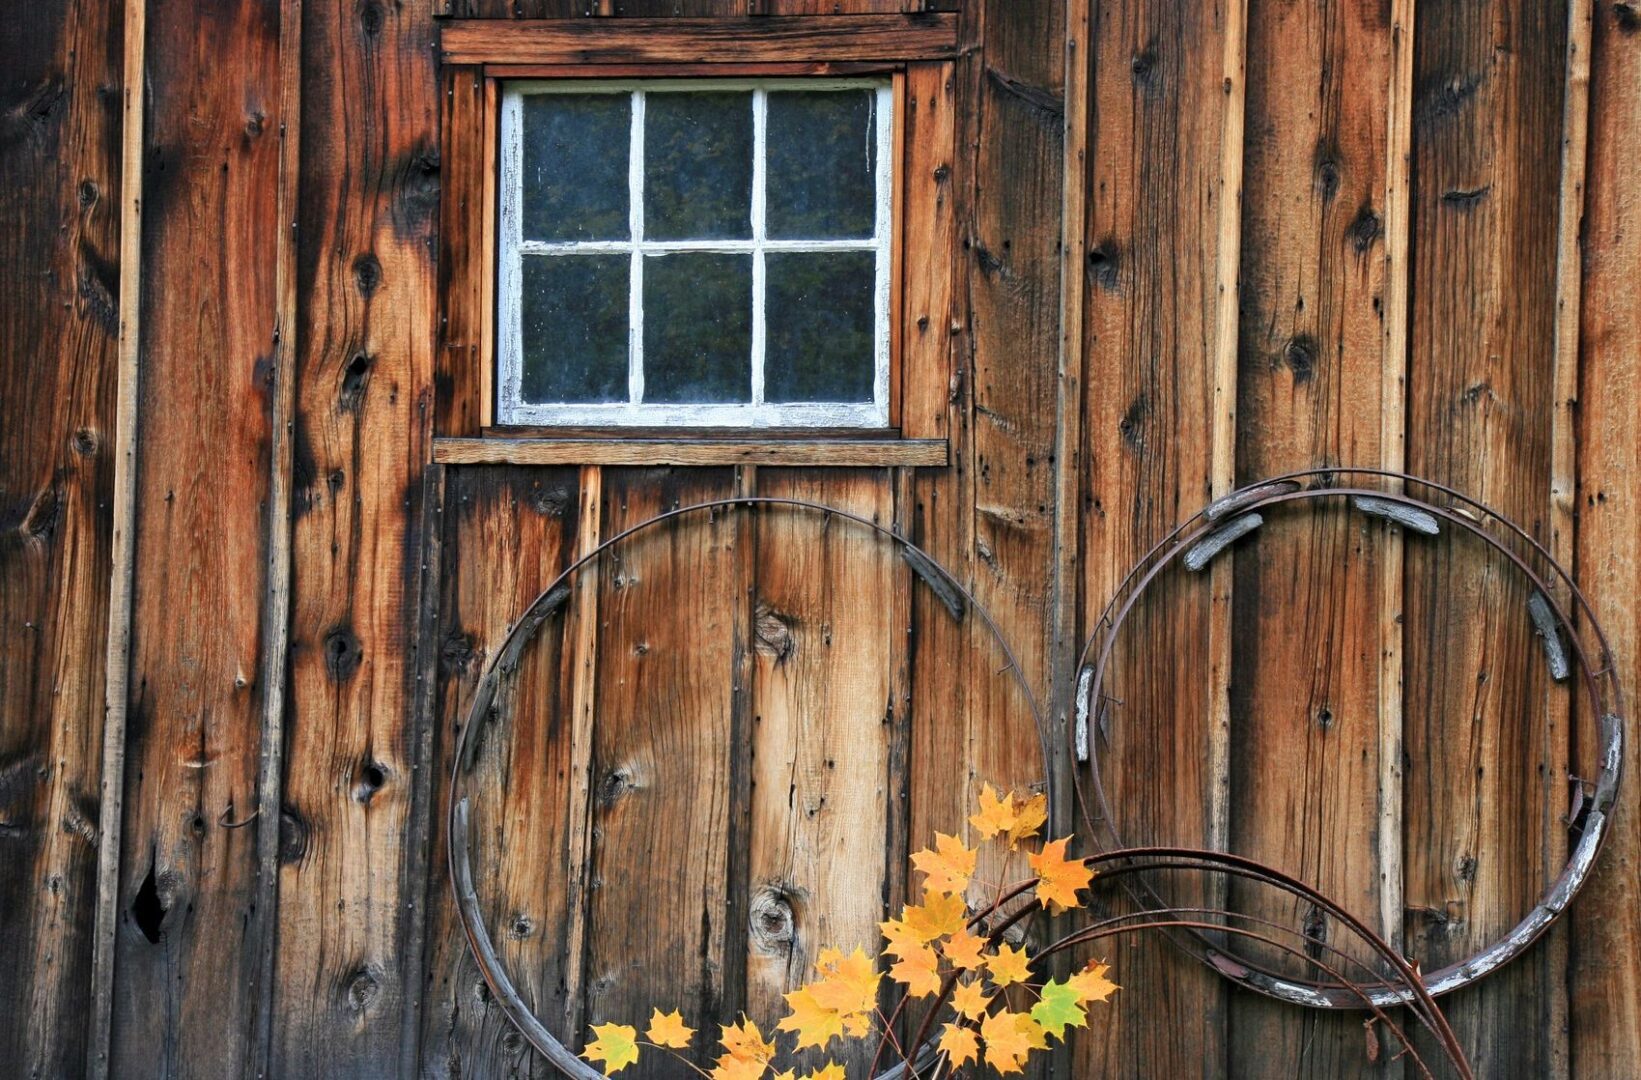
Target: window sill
[(706, 451)]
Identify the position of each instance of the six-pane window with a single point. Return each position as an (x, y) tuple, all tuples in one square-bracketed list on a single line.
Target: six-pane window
[(694, 253)]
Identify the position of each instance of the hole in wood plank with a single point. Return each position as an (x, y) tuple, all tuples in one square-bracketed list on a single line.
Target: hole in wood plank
[(147, 911)]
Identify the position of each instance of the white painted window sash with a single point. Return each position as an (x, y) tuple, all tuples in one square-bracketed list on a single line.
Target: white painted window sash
[(512, 409)]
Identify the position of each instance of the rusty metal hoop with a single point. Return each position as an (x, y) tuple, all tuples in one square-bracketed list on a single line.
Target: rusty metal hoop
[(1203, 536), (554, 599)]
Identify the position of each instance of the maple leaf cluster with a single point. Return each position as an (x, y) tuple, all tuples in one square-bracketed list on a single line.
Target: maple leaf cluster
[(983, 986)]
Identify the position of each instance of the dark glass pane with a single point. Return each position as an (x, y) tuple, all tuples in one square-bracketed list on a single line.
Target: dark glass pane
[(575, 166), (698, 328), (574, 321), (697, 166), (821, 325), (822, 172)]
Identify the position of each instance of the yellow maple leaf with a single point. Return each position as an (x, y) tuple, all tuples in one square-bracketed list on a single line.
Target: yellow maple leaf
[(900, 937), (1008, 1040), (963, 948), (948, 868), (616, 1046), (1059, 878), (996, 813), (970, 1000), (920, 971), (959, 1045), (841, 998), (1013, 815), (744, 1042), (730, 1067), (1092, 984), (937, 916), (668, 1029), (1008, 965), (1030, 815)]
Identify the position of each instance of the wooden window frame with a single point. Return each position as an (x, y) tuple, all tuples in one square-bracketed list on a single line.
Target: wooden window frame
[(480, 56)]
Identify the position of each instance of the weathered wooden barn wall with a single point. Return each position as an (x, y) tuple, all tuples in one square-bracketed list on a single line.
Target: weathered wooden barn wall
[(1173, 248)]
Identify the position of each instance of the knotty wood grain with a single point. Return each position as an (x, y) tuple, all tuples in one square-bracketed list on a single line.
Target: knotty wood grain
[(507, 533), (1306, 678), (825, 649), (1605, 933), (365, 288), (662, 742), (61, 199), (185, 968), (1151, 278), (1483, 794)]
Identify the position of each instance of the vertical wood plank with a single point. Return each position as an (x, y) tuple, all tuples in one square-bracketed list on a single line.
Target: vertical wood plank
[(657, 930), (458, 379), (1152, 275), (186, 962), (1482, 794), (367, 219), (1605, 975), (825, 650), (508, 532), (1307, 626), (62, 201)]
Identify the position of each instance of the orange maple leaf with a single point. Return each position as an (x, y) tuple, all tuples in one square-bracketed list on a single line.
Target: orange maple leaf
[(1010, 1038), (1059, 878), (1011, 814), (920, 971), (959, 1045), (1092, 984), (963, 949), (841, 998), (947, 870), (668, 1029)]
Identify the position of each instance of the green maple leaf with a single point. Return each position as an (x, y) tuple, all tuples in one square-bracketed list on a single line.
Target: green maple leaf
[(1058, 1009)]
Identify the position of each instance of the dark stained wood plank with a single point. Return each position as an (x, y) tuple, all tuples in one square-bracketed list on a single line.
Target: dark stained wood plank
[(662, 745), (633, 451), (61, 199), (1605, 973), (1306, 678), (1483, 795), (1152, 270), (186, 967), (508, 532), (366, 281), (824, 653), (708, 40)]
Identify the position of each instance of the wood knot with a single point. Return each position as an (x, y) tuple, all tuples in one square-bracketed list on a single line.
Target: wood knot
[(363, 990), (372, 778), (343, 653), (293, 836), (1299, 354), (773, 927), (773, 632), (1364, 229), (355, 381), (367, 274)]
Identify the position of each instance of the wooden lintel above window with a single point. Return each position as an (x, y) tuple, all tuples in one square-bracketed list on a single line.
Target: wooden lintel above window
[(796, 39), (694, 451)]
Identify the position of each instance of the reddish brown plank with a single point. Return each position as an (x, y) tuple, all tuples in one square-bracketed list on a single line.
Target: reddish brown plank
[(1605, 971), (186, 965), (702, 40), (1482, 801), (61, 196), (507, 533), (1160, 96), (1305, 704)]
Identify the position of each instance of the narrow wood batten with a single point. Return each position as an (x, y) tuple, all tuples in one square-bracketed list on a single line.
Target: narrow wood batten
[(705, 451)]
